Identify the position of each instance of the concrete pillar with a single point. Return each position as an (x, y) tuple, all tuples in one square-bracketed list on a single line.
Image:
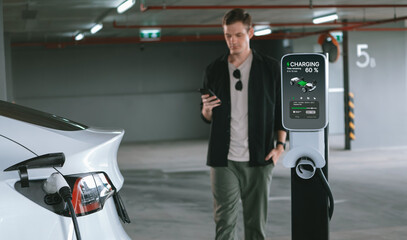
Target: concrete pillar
[(9, 77), (3, 81)]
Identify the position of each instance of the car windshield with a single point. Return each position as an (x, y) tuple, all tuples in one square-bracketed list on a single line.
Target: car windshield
[(36, 117)]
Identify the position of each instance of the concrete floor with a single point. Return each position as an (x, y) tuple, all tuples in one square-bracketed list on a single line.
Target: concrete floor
[(168, 197)]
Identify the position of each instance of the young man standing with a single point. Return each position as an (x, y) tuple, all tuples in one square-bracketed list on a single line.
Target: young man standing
[(245, 118)]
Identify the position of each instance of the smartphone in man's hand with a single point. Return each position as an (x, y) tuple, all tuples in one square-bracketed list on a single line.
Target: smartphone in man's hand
[(204, 91)]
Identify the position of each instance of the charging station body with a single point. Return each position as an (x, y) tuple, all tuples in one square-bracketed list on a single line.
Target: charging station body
[(305, 114), (309, 203)]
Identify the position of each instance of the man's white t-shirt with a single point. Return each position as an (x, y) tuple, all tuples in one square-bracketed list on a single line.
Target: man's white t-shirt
[(239, 133)]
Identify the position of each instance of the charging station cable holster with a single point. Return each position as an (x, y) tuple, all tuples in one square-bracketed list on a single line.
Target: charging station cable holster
[(306, 153)]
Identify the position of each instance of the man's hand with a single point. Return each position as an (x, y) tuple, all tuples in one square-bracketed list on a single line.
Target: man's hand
[(275, 154), (208, 104)]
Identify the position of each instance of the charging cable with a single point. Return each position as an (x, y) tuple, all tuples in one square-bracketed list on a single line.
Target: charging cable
[(305, 169), (328, 191), (57, 183)]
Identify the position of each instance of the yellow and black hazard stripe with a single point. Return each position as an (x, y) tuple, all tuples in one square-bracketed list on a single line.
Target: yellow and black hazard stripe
[(351, 117)]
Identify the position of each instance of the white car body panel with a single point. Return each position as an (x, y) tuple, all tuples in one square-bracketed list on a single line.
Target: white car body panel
[(23, 219), (86, 151)]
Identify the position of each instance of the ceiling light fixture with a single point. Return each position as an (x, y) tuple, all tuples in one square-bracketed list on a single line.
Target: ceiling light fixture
[(326, 18), (79, 36), (126, 5), (96, 28), (261, 30)]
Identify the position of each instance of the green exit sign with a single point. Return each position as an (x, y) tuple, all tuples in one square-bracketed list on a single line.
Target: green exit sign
[(338, 36), (150, 34)]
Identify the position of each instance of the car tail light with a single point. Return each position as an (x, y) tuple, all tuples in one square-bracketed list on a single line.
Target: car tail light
[(90, 192)]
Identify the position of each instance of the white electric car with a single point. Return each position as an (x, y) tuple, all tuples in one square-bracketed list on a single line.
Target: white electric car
[(33, 146)]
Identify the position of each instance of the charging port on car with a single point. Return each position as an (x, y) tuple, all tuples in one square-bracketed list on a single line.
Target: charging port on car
[(52, 199)]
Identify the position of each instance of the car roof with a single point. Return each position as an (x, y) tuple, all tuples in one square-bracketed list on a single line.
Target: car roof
[(40, 118)]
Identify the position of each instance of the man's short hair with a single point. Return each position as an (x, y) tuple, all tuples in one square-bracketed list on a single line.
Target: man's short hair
[(237, 15)]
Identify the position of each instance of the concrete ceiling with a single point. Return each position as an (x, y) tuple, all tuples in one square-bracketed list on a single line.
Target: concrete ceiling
[(58, 21)]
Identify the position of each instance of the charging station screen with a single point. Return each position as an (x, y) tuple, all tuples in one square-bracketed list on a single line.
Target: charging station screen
[(304, 86), (304, 109)]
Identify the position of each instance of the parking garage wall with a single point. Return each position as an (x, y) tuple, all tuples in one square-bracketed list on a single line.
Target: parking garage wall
[(378, 80), (150, 90)]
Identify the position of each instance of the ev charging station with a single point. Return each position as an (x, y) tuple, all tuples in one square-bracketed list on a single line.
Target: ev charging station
[(305, 114)]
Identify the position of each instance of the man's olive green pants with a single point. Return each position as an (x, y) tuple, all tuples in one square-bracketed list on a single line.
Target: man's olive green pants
[(251, 185)]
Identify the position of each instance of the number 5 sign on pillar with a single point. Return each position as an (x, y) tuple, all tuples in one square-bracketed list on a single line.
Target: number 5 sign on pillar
[(364, 58)]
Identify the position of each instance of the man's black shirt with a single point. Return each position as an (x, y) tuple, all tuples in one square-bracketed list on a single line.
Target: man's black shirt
[(264, 109)]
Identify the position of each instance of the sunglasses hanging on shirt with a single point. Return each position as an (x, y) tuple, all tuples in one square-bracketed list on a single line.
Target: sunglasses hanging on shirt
[(239, 84)]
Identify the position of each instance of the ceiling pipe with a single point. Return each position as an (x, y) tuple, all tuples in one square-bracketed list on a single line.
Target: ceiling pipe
[(296, 24), (349, 25), (278, 35), (382, 29), (212, 7), (202, 38), (132, 40), (366, 24), (355, 27), (115, 25)]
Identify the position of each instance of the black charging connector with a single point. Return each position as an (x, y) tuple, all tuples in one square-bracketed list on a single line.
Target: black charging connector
[(57, 183), (66, 195)]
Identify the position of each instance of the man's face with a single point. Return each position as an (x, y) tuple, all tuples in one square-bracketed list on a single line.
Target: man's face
[(237, 37)]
